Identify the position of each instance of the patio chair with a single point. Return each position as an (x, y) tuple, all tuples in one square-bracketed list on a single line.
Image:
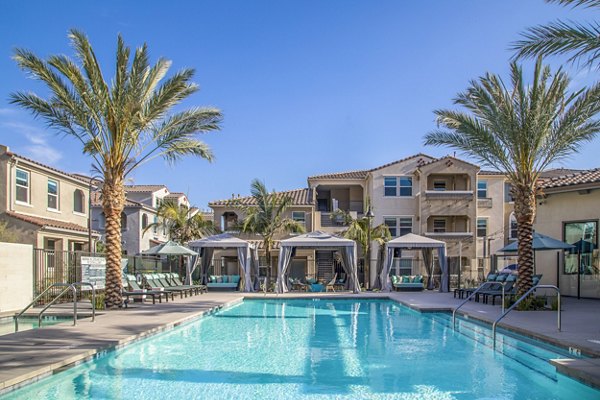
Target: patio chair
[(162, 278), (331, 284), (297, 285), (136, 291), (153, 283), (174, 278)]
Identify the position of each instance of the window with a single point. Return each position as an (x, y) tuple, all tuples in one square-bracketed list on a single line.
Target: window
[(584, 236), (52, 194), (397, 186), (101, 221), (482, 189), (507, 193), (155, 227), (439, 226), (482, 227), (513, 227), (22, 183), (439, 185), (78, 201), (123, 221), (405, 225), (144, 221), (158, 201), (299, 216), (390, 222)]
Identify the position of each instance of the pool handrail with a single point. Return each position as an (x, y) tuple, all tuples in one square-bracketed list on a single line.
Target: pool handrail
[(520, 300), (93, 296), (16, 316), (65, 290), (466, 300)]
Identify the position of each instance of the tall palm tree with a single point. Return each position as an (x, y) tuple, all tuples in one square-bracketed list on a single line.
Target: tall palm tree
[(181, 222), (266, 216), (120, 125), (580, 41), (358, 230), (520, 131)]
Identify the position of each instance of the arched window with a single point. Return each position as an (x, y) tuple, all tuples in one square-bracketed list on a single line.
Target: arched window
[(512, 227), (123, 221), (78, 201), (101, 221), (144, 221)]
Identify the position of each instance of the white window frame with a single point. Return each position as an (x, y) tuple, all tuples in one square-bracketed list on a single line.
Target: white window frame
[(297, 219), (512, 218), (486, 189), (28, 187), (389, 218), (397, 223), (82, 202), (57, 195), (398, 186), (487, 227)]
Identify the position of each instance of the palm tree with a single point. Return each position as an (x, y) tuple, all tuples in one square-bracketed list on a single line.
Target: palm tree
[(181, 222), (120, 125), (520, 132), (358, 230), (580, 41), (265, 217)]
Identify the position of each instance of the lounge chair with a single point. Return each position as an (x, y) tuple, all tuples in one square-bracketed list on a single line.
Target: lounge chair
[(296, 284), (489, 280), (153, 283), (137, 291), (509, 288), (176, 281), (511, 291), (331, 284), (162, 278)]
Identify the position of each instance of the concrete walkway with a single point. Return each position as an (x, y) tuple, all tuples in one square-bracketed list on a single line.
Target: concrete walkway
[(30, 355)]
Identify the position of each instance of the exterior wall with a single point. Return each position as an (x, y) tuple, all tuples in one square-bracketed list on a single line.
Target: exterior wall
[(16, 276), (492, 209), (219, 211), (553, 211), (25, 232)]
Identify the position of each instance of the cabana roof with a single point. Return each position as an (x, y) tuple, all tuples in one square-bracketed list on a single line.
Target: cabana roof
[(412, 241), (223, 240), (316, 239)]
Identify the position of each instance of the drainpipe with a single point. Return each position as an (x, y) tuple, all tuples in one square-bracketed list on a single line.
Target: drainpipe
[(90, 217)]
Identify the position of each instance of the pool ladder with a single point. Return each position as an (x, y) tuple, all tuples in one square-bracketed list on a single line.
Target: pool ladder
[(67, 287)]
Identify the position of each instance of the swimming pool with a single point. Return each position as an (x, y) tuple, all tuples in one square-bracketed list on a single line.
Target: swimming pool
[(316, 349)]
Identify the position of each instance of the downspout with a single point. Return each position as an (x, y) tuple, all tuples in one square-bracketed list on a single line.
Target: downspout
[(12, 163)]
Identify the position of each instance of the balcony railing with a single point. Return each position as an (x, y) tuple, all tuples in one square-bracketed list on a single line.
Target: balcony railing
[(450, 235), (449, 194)]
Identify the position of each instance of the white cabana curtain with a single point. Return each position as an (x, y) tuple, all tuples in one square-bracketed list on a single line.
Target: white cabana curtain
[(192, 264), (207, 257), (285, 255), (245, 260), (387, 266), (445, 284), (255, 265), (349, 265)]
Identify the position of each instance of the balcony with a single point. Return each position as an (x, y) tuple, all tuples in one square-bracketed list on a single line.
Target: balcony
[(450, 236), (484, 203), (449, 194), (324, 222)]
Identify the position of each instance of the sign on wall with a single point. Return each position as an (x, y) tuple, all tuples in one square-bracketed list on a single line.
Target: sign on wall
[(93, 270)]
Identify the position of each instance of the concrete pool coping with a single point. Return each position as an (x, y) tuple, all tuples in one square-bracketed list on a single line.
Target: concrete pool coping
[(28, 356)]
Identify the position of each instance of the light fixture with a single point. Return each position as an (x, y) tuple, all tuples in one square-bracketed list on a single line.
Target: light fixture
[(369, 213)]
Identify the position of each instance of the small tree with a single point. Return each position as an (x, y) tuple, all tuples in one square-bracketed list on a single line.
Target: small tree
[(265, 217), (182, 223), (7, 235)]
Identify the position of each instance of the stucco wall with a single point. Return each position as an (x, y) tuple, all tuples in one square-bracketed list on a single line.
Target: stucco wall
[(495, 215), (16, 276)]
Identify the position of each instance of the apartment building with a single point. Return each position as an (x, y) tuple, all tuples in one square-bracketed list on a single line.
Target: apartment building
[(141, 206), (43, 206), (444, 198), (569, 209)]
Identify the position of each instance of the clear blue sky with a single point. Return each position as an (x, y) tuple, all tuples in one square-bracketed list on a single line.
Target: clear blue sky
[(306, 87)]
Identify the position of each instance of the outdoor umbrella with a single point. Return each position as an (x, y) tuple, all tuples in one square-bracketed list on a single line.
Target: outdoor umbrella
[(171, 248), (540, 242)]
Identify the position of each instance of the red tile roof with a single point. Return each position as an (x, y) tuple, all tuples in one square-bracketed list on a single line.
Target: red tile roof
[(97, 201), (579, 178), (46, 222), (299, 197), (144, 188), (77, 177), (362, 174)]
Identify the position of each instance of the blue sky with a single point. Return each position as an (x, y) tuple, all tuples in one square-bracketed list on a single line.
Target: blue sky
[(306, 87)]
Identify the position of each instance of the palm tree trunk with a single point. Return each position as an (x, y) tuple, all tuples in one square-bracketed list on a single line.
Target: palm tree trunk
[(113, 202), (525, 213)]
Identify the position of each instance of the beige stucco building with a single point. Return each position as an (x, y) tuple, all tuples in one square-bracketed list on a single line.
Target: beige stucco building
[(43, 206)]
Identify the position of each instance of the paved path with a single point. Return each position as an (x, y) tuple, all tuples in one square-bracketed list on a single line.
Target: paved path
[(31, 355)]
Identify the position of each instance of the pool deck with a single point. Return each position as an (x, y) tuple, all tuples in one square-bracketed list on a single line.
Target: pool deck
[(31, 355)]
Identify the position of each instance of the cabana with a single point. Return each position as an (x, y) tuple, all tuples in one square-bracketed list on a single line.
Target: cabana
[(320, 240), (410, 241), (246, 253)]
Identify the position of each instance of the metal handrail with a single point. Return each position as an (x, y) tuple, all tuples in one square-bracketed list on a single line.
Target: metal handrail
[(70, 287), (93, 297), (466, 300), (521, 299), (16, 316)]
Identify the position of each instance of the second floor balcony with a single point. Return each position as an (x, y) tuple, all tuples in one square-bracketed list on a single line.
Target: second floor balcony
[(455, 227)]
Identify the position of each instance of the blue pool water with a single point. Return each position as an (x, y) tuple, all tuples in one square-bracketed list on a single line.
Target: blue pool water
[(324, 349)]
